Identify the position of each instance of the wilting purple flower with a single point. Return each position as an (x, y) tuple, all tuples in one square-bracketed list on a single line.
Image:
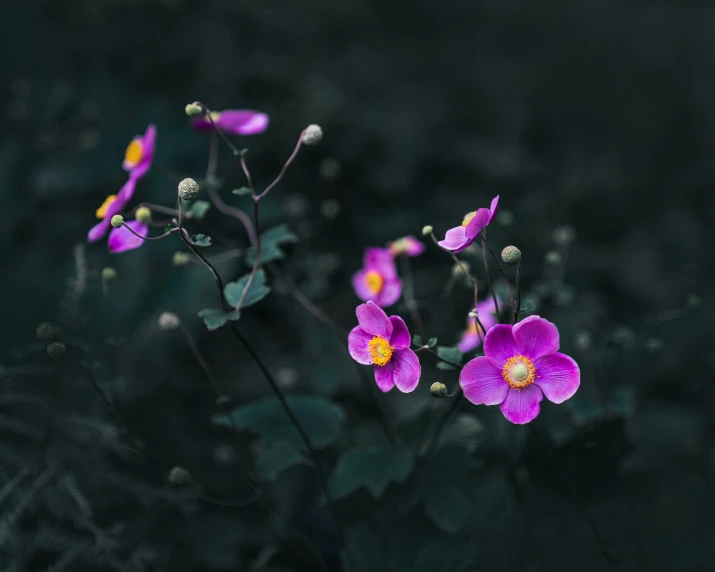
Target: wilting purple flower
[(408, 245), (377, 281), (233, 121), (140, 153), (472, 336), (120, 239), (521, 364), (460, 237), (384, 342)]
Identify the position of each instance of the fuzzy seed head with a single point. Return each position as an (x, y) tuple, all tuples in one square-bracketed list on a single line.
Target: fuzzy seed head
[(55, 350), (312, 135), (511, 255), (168, 321), (438, 389), (427, 230), (117, 221), (46, 332), (143, 214), (188, 189), (193, 110)]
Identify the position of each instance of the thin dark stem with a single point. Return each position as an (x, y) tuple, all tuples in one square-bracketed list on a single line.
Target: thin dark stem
[(499, 269), (517, 308), (93, 382), (439, 358), (409, 295), (459, 263), (284, 169), (159, 209), (202, 362), (216, 275), (489, 277), (112, 313), (207, 112), (434, 441), (173, 230), (256, 262)]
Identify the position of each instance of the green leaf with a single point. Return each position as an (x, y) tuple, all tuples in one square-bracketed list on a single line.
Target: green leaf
[(202, 240), (432, 342), (270, 244), (241, 191), (442, 554), (319, 418), (273, 461), (448, 463), (372, 469), (256, 292), (417, 340), (214, 318), (463, 429), (366, 549), (199, 209), (447, 507), (450, 354)]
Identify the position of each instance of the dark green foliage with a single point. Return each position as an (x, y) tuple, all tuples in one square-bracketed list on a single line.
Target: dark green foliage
[(257, 291), (271, 242), (373, 469), (214, 318)]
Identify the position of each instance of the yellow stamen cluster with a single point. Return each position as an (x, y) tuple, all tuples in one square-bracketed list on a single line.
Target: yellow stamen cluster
[(468, 218), (380, 350), (102, 211), (134, 152), (374, 281), (519, 372)]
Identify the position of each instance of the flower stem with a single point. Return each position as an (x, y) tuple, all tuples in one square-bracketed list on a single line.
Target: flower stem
[(499, 269), (489, 277), (459, 263), (517, 307), (410, 301), (129, 228), (434, 441)]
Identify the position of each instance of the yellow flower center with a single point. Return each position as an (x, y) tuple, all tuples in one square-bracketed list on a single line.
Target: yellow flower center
[(468, 218), (102, 211), (374, 281), (519, 372), (134, 152), (380, 350)]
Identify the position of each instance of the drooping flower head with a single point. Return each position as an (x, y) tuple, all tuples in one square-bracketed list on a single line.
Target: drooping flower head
[(140, 153), (120, 239), (408, 245), (521, 364), (384, 342), (233, 122), (460, 237), (472, 337), (377, 281)]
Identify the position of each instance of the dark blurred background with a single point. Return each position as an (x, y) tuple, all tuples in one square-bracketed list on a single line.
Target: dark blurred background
[(593, 114)]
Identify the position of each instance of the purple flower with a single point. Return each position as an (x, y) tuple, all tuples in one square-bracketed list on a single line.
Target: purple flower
[(384, 342), (120, 239), (460, 237), (471, 337), (234, 122), (140, 153), (521, 364), (377, 281), (408, 245)]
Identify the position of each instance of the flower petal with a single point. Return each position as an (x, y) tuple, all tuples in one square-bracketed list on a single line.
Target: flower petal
[(382, 261), (493, 208), (98, 230), (373, 320), (359, 285), (536, 337), (149, 141), (389, 294), (121, 239), (499, 345), (384, 377), (123, 197), (234, 122), (455, 239), (357, 345), (522, 406), (558, 376), (400, 334), (406, 370), (477, 224), (470, 340), (482, 382)]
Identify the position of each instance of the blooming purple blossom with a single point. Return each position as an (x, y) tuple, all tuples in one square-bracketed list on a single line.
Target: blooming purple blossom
[(408, 245), (140, 153), (120, 239), (377, 281), (460, 237), (233, 121), (521, 364), (384, 342), (472, 336)]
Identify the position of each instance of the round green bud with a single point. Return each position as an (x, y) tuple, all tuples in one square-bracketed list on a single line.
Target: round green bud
[(46, 332), (553, 258), (193, 110), (438, 389), (180, 258), (143, 214), (511, 255), (188, 189), (55, 350), (312, 135), (168, 321), (179, 476), (109, 274), (117, 221), (427, 229)]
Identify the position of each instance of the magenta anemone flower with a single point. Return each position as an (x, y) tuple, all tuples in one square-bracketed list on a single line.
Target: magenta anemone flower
[(521, 364), (233, 121), (408, 245), (140, 153), (472, 336), (120, 239), (460, 237), (377, 281), (384, 342)]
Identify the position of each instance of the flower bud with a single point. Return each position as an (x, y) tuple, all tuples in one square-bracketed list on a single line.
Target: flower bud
[(188, 189), (180, 258), (143, 214), (312, 135), (438, 389), (117, 221), (168, 321), (193, 110), (109, 274), (179, 476), (473, 314), (511, 255), (55, 350), (46, 332), (427, 229)]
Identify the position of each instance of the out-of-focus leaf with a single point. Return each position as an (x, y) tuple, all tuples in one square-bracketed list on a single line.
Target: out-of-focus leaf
[(199, 209), (256, 292), (215, 318), (271, 462), (202, 240), (372, 469), (447, 507), (270, 244), (451, 354)]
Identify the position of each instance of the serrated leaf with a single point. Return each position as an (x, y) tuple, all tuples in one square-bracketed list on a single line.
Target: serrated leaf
[(214, 318), (451, 354), (432, 342), (202, 240), (241, 191), (199, 209), (258, 290), (448, 507), (271, 240), (417, 340), (273, 461), (372, 469), (319, 418)]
